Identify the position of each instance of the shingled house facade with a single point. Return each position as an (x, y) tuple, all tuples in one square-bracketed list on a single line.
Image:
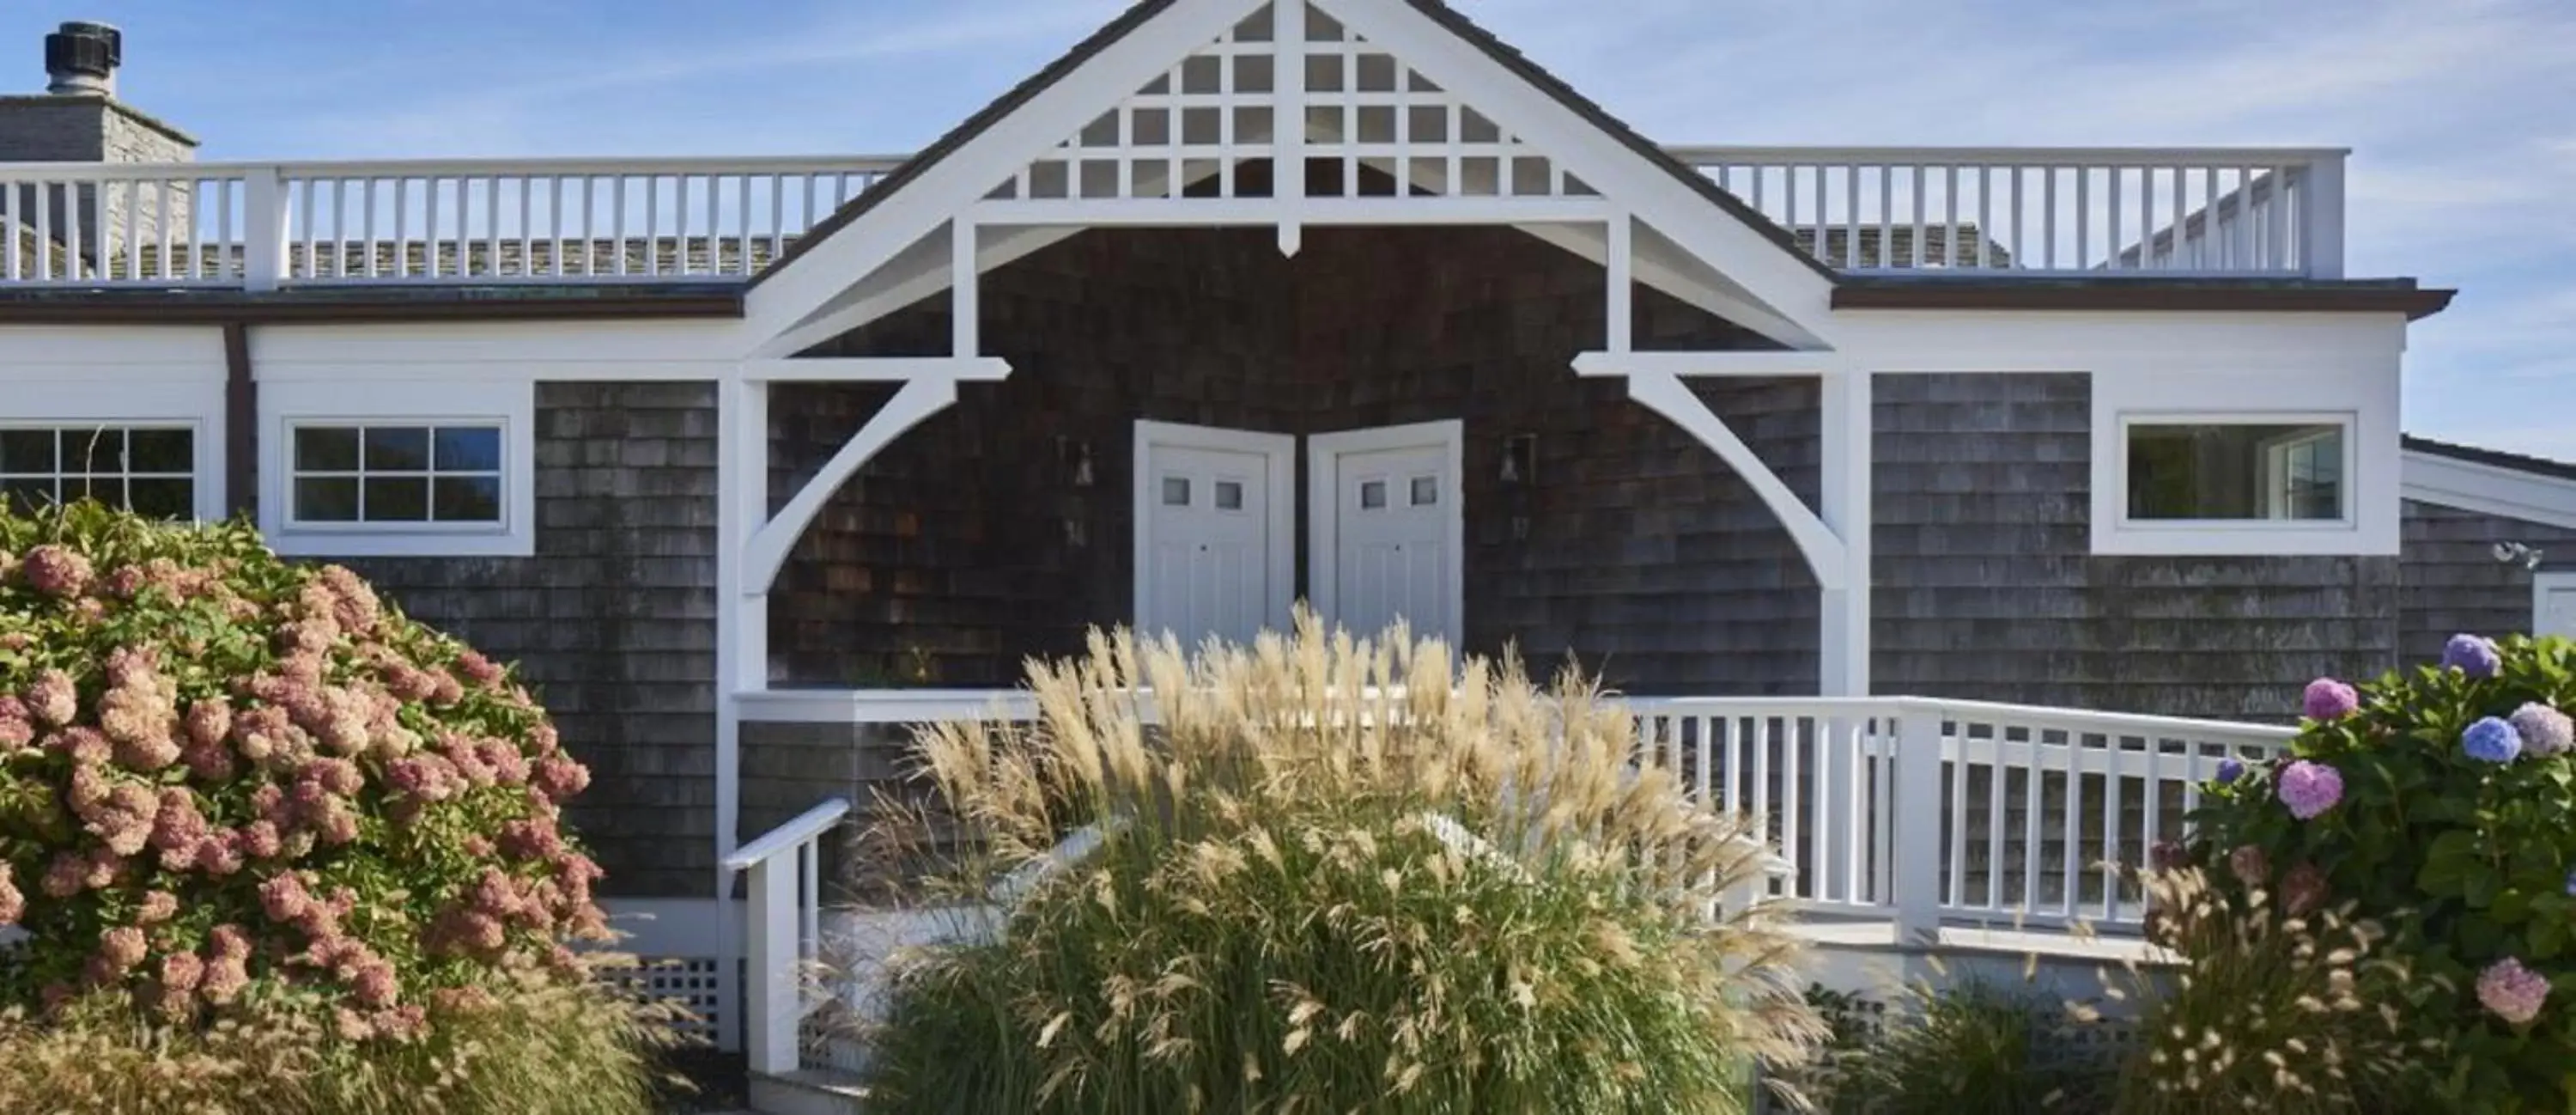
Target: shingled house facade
[(744, 480)]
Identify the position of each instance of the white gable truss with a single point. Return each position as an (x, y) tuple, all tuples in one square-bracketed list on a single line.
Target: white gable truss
[(1183, 113), (1206, 99)]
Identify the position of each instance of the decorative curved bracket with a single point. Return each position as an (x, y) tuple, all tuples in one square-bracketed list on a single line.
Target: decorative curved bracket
[(767, 550)]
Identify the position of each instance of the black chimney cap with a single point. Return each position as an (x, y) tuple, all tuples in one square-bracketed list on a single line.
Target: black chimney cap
[(84, 49)]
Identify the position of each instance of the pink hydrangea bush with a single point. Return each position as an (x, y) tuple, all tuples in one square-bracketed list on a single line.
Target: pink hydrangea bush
[(219, 769), (2441, 804)]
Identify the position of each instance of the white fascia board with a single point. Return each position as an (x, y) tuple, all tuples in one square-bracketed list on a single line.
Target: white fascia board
[(2489, 490)]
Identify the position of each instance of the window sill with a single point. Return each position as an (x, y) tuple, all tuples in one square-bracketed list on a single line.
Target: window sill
[(395, 543), (2241, 540)]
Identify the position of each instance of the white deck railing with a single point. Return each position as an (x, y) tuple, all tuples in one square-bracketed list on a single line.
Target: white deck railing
[(2063, 211), (1915, 813), (264, 226), (785, 923)]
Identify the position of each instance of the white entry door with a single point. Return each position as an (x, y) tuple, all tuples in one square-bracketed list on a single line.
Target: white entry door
[(1389, 529), (2553, 604), (1215, 531)]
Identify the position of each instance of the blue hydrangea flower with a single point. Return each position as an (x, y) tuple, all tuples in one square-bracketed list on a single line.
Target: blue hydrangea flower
[(2492, 740), (2571, 884), (2229, 770), (2471, 655)]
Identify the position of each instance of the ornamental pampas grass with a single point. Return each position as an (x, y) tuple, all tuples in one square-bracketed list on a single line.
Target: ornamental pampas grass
[(1326, 874)]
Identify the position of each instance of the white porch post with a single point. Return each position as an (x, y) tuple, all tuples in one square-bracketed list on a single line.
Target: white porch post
[(1846, 455)]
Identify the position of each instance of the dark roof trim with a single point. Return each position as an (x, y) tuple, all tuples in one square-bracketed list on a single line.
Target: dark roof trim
[(2493, 458), (2195, 295), (1501, 52), (356, 306)]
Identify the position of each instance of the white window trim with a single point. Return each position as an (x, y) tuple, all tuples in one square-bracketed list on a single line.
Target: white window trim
[(2362, 399), (287, 405), (196, 405), (2348, 422)]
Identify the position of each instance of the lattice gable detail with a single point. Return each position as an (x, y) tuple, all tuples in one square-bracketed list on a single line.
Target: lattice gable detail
[(1371, 126)]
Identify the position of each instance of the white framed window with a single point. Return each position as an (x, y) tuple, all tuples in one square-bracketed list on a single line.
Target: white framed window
[(2211, 470), (446, 475), (395, 469), (2252, 462), (146, 467), (150, 440)]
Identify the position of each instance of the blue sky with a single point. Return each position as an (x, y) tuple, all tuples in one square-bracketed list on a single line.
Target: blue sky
[(2462, 113)]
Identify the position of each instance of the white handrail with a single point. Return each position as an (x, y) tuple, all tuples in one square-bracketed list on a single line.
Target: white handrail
[(785, 922), (807, 826)]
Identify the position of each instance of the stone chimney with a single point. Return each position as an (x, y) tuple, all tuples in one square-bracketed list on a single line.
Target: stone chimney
[(77, 119)]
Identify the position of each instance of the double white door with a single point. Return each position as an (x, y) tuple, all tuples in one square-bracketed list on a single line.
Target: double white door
[(1218, 523)]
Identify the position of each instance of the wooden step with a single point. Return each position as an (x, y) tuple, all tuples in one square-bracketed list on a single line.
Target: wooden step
[(808, 1092)]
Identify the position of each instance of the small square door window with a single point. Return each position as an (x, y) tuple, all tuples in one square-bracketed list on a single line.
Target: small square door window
[(1372, 495), (1426, 491), (1229, 495), (1176, 491)]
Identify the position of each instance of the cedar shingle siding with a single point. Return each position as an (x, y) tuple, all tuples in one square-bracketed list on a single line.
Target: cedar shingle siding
[(1985, 587), (966, 546), (967, 543), (2453, 582), (613, 622)]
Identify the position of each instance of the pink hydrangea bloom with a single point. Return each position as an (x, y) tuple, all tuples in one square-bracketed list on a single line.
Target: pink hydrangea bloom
[(445, 689), (260, 840), (56, 571), (226, 977), (53, 698), (2513, 992), (2309, 788), (374, 985), (2544, 730), (122, 947), (210, 721), (182, 971), (353, 604), (13, 903), (66, 875), (158, 906), (87, 746), (479, 670), (284, 898), (17, 727), (559, 778)]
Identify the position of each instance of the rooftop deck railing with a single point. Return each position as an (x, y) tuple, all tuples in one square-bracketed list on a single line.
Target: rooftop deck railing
[(264, 226)]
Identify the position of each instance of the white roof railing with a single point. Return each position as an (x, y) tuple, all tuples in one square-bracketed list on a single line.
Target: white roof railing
[(2275, 212)]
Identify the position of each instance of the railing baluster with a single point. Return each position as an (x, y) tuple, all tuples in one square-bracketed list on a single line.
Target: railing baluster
[(1918, 216), (1956, 736), (1950, 216), (2034, 794)]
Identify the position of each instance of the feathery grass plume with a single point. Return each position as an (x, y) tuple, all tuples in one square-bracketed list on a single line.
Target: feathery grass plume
[(523, 1043), (2288, 1012), (1321, 874), (1950, 1046)]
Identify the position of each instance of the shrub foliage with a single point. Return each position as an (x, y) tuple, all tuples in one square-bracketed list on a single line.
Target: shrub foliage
[(219, 770), (2436, 803), (1334, 876)]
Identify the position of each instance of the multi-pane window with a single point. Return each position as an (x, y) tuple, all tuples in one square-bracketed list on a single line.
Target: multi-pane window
[(2237, 471), (151, 470), (397, 473)]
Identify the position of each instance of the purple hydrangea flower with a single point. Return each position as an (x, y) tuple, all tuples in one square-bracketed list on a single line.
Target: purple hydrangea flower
[(2545, 730), (2310, 788), (2231, 770), (2492, 740), (2471, 655), (2328, 699), (2513, 992), (2571, 884)]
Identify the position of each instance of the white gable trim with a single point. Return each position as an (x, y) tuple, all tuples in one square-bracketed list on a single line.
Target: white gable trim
[(1787, 295), (2488, 490), (1776, 275), (956, 182)]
